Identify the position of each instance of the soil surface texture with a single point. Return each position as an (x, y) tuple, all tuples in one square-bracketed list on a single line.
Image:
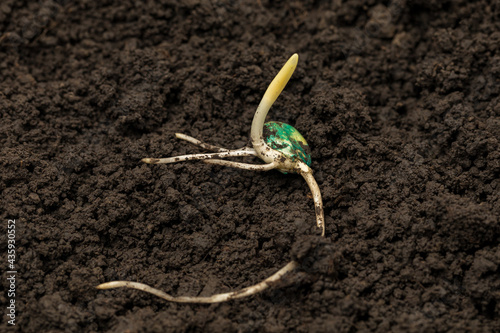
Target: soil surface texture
[(399, 101)]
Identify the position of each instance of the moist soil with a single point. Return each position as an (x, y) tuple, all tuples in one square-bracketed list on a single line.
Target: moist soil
[(399, 101)]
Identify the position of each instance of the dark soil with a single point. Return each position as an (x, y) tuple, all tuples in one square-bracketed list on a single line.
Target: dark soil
[(399, 101)]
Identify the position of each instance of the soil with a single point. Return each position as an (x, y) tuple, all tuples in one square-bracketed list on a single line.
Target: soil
[(399, 101)]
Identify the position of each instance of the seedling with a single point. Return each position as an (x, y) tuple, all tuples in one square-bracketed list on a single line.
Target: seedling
[(281, 147)]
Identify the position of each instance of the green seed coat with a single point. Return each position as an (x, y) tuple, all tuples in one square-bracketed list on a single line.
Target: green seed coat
[(287, 140)]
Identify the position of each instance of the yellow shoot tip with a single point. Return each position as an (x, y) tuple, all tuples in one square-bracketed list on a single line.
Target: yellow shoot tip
[(280, 81), (273, 91)]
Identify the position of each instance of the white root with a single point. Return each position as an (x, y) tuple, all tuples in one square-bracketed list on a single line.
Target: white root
[(248, 291), (203, 156), (245, 166), (318, 202), (199, 143)]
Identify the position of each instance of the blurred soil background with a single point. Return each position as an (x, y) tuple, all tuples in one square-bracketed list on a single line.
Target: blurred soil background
[(399, 101)]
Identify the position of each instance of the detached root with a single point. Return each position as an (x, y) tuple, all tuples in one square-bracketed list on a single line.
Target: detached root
[(248, 291)]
